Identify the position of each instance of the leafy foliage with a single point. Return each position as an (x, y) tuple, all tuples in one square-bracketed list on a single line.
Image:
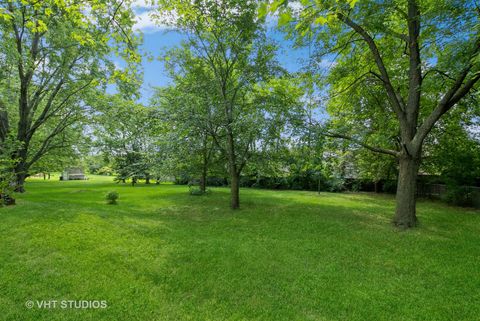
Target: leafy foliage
[(7, 170), (112, 197)]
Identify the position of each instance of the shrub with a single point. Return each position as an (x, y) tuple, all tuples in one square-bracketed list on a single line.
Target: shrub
[(335, 184), (459, 195), (111, 197), (196, 191), (105, 170), (356, 186), (390, 186), (7, 173)]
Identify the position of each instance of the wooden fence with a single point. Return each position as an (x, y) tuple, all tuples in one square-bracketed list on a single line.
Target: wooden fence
[(439, 191)]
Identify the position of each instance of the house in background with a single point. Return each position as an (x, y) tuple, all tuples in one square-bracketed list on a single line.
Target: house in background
[(72, 174)]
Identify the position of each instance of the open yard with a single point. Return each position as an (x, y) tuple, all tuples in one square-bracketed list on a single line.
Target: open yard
[(161, 254)]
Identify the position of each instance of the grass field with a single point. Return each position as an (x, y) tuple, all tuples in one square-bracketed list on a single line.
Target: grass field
[(161, 254)]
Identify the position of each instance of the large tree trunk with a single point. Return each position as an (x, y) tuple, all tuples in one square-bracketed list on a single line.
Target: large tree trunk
[(235, 190), (21, 170), (147, 178), (405, 213), (20, 188)]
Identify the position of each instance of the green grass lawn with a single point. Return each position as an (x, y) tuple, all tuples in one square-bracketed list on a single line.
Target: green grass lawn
[(161, 254)]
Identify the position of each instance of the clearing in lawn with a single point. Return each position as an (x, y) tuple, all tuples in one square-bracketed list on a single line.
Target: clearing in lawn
[(161, 254)]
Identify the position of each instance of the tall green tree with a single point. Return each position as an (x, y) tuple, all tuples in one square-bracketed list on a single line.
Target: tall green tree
[(228, 39), (125, 131), (56, 51), (188, 121), (422, 55)]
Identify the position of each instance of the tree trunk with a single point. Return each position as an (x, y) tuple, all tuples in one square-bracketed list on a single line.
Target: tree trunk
[(405, 212), (319, 184), (203, 183), (235, 191), (147, 179), (203, 179), (21, 176), (234, 173), (4, 125), (21, 168)]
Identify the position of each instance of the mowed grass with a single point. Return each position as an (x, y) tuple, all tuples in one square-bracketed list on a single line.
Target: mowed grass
[(161, 254)]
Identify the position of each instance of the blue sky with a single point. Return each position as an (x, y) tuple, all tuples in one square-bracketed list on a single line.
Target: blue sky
[(158, 38)]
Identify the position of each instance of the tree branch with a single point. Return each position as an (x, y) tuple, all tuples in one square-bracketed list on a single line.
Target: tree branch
[(356, 141), (392, 94)]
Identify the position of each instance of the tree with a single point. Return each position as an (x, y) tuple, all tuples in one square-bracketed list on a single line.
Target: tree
[(124, 130), (57, 51), (187, 112), (237, 63), (423, 55)]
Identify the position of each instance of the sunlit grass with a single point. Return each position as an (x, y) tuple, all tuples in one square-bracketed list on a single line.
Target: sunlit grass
[(161, 254)]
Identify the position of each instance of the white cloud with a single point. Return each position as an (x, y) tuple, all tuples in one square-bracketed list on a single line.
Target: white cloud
[(296, 7), (272, 18), (142, 4), (145, 23), (326, 63), (149, 20)]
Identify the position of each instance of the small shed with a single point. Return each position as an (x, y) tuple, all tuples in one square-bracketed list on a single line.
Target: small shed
[(72, 174)]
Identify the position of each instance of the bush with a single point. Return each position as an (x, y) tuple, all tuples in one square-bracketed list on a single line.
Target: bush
[(356, 186), (196, 191), (390, 186), (7, 173), (111, 197), (335, 184), (458, 195), (105, 170)]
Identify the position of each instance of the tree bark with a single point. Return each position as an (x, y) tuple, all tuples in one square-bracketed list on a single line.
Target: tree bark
[(234, 172), (405, 213), (21, 170), (203, 180), (147, 179), (4, 126), (20, 188), (235, 191)]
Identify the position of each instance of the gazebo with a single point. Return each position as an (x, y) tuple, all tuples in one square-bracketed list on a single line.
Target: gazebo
[(71, 174)]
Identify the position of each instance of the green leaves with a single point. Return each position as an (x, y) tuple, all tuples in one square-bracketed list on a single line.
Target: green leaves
[(263, 10), (352, 3), (284, 18)]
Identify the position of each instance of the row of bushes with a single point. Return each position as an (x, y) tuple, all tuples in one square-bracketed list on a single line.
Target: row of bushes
[(303, 182), (456, 195)]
